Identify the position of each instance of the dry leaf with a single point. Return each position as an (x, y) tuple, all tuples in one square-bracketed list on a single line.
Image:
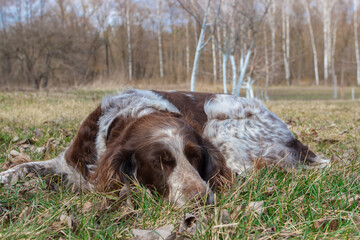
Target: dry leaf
[(4, 214), (331, 224), (57, 226), (16, 158), (40, 150), (188, 225), (335, 159), (51, 143), (87, 207), (160, 233), (270, 190), (225, 216), (345, 198), (255, 207), (38, 133), (326, 141), (25, 212), (67, 220)]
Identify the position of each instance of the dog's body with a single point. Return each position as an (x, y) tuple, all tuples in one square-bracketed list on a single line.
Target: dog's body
[(180, 143)]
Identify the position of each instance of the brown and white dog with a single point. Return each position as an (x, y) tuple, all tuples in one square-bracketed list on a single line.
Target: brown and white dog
[(183, 144)]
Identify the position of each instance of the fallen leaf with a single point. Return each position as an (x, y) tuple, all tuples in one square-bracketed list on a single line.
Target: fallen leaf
[(38, 133), (51, 143), (16, 158), (343, 132), (326, 141), (270, 190), (159, 233), (225, 216), (40, 150), (188, 225), (335, 159), (255, 207), (331, 224), (4, 214), (87, 207), (68, 220), (345, 198), (25, 212)]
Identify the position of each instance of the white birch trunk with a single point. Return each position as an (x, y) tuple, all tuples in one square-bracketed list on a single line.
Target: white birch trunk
[(220, 56), (312, 43), (287, 14), (233, 67), (333, 73), (159, 40), (128, 29), (244, 67), (224, 61), (199, 48), (356, 41), (267, 77), (285, 44), (187, 49), (214, 58), (326, 22), (273, 35), (219, 52)]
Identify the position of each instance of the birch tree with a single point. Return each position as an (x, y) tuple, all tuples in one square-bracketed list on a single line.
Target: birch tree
[(272, 22), (214, 59), (356, 41), (313, 45), (187, 48), (243, 25), (255, 24), (201, 43), (286, 39), (333, 73), (327, 16), (267, 77), (128, 30), (159, 30)]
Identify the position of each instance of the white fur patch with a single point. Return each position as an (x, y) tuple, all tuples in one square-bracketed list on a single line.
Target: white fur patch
[(130, 103), (244, 130)]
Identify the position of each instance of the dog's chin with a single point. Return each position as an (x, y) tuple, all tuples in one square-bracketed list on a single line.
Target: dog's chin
[(208, 198), (319, 162)]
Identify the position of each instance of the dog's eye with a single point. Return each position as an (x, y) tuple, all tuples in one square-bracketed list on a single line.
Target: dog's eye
[(166, 158), (192, 152)]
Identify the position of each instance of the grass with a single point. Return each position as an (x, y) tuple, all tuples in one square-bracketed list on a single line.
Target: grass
[(296, 204)]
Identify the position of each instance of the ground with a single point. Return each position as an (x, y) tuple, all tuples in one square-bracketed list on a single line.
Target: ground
[(268, 203)]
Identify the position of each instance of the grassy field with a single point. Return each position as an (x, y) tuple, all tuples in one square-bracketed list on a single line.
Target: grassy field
[(268, 203)]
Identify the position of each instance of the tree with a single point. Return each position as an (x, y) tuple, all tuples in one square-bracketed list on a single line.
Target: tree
[(201, 42), (159, 40), (312, 43), (286, 38), (356, 41)]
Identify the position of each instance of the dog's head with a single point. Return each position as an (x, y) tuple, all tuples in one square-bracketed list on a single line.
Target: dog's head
[(163, 152)]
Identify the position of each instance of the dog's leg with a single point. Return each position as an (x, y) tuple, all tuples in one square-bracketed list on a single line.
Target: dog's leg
[(55, 166)]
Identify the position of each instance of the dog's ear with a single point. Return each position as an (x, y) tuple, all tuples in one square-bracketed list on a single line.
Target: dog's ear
[(115, 168), (213, 167)]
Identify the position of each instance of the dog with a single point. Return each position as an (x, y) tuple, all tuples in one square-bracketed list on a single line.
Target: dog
[(183, 144)]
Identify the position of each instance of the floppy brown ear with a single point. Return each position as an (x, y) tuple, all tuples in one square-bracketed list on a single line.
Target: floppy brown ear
[(213, 167), (115, 169)]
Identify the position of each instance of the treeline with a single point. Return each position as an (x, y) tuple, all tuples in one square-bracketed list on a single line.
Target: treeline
[(46, 43)]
